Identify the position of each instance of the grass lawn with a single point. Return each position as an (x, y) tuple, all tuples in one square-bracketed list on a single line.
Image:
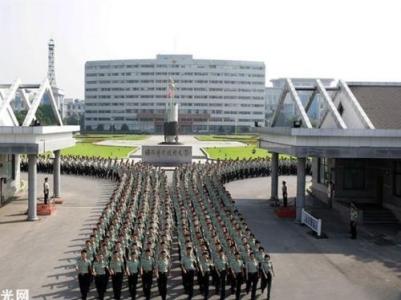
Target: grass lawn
[(236, 152), (95, 138), (85, 145), (88, 149), (247, 139)]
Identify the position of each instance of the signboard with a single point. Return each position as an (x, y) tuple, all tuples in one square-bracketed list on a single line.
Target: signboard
[(167, 154), (312, 222)]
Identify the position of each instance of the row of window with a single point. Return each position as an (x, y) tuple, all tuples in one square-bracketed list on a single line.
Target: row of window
[(163, 88), (227, 120), (216, 112), (184, 104), (173, 66), (176, 74), (176, 97), (196, 89)]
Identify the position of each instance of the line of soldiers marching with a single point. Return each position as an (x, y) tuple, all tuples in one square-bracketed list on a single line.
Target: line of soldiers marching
[(107, 168), (132, 238), (214, 239)]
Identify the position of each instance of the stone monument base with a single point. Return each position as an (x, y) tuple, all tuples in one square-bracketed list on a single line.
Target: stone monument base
[(167, 154)]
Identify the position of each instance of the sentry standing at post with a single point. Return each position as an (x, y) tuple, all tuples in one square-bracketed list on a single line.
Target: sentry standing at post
[(353, 220), (285, 194), (46, 190)]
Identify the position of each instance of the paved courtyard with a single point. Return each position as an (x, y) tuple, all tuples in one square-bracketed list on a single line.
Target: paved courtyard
[(40, 255), (310, 268)]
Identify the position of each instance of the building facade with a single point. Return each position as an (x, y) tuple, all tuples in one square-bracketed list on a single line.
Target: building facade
[(355, 149), (72, 108), (213, 95)]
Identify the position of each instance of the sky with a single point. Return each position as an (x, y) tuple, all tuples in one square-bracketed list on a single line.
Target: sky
[(347, 39)]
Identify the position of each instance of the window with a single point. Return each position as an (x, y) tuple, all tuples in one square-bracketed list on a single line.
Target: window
[(322, 171), (354, 177), (397, 179)]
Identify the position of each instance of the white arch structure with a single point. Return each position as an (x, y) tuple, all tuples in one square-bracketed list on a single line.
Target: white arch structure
[(29, 139), (340, 89), (7, 115)]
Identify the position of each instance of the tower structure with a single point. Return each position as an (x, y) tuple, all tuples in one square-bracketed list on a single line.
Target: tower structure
[(51, 72), (51, 75)]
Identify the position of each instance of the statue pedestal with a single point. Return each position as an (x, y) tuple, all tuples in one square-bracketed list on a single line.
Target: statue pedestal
[(167, 154)]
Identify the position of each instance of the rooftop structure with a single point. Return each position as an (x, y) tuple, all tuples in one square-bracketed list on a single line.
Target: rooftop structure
[(356, 145), (28, 137)]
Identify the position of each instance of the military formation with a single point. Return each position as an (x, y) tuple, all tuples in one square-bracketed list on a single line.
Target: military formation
[(106, 168), (133, 237), (215, 243), (132, 241), (109, 168)]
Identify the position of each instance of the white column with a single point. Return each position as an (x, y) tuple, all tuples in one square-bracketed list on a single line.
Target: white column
[(56, 174), (32, 181), (300, 202), (274, 177)]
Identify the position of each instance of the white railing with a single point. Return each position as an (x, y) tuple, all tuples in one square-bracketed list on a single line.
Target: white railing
[(312, 222)]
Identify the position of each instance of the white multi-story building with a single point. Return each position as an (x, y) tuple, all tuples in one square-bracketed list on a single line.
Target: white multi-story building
[(213, 95), (72, 107)]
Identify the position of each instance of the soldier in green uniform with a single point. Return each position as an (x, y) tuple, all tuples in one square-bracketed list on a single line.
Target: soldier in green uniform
[(132, 270), (100, 274), (252, 268), (147, 267), (237, 268), (203, 274), (83, 267), (117, 273), (221, 269), (162, 270), (188, 263), (267, 272), (353, 220)]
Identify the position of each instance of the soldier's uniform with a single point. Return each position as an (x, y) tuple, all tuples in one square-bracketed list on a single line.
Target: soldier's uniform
[(205, 265), (237, 268), (163, 266), (133, 265), (188, 265), (84, 276), (252, 267), (117, 273), (353, 221), (267, 275), (101, 277), (147, 265), (220, 263)]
